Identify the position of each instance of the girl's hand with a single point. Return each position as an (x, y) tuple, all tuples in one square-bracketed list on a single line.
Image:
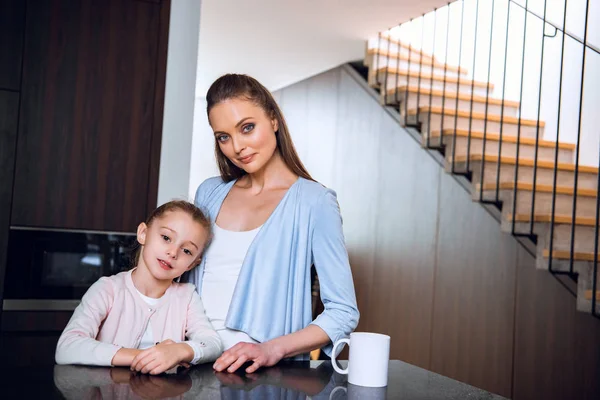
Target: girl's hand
[(262, 355), (162, 357)]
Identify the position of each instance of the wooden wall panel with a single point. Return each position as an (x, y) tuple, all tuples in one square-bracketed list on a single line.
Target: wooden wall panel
[(12, 25), (557, 348), (88, 95), (472, 338), (9, 109)]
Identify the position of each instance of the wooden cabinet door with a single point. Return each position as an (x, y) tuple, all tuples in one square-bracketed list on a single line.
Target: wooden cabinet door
[(91, 72), (12, 22)]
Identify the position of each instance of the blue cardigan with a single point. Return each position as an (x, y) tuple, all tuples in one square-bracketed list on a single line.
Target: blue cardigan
[(272, 296)]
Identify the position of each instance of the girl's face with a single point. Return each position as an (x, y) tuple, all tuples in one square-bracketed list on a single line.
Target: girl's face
[(172, 244), (244, 132)]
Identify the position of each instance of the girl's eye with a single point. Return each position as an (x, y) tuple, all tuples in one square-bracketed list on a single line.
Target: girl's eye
[(247, 128), (186, 251), (222, 138), (166, 238)]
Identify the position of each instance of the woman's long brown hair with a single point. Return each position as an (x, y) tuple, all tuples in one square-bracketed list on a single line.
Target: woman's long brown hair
[(232, 86)]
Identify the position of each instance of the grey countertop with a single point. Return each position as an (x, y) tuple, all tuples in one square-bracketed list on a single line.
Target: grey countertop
[(292, 380)]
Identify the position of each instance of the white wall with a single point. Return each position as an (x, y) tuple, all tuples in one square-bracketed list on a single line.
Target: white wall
[(529, 76), (173, 181)]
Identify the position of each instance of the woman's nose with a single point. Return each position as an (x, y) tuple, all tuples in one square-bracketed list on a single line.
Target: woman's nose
[(238, 145)]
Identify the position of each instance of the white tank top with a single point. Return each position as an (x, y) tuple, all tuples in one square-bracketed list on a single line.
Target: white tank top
[(224, 260)]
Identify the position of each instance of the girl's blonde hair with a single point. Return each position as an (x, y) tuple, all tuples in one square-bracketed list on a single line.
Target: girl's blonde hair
[(236, 86), (188, 208)]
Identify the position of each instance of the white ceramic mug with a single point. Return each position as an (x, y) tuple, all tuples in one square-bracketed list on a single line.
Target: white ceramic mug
[(368, 359)]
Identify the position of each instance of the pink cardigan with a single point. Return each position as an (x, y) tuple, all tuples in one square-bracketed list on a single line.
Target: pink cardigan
[(112, 315)]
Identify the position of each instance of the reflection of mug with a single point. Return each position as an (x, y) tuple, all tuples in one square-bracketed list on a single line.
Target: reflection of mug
[(353, 392), (368, 359)]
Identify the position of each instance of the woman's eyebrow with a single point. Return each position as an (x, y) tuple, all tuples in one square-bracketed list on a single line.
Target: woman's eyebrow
[(236, 125)]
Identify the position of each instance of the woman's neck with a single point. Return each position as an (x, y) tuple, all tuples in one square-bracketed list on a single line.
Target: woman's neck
[(274, 175), (147, 284)]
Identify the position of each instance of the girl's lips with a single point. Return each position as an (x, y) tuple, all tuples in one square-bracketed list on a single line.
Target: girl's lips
[(164, 265)]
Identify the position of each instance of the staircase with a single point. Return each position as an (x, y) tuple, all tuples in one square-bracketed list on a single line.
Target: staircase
[(508, 163)]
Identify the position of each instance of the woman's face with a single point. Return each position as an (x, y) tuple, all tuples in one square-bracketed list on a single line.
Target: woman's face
[(244, 132)]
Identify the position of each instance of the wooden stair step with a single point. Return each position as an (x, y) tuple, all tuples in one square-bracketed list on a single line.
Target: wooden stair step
[(526, 162), (505, 138), (427, 76), (558, 219), (416, 59), (452, 95), (375, 42), (566, 255), (475, 115), (541, 188), (588, 295)]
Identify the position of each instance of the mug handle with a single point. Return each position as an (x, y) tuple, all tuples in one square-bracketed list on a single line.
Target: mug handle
[(333, 353)]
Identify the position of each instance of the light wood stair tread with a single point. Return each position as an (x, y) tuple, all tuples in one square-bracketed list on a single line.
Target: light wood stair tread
[(476, 115), (453, 95), (588, 295), (426, 76), (402, 44), (417, 59), (505, 138), (528, 162), (541, 188), (566, 255), (558, 219)]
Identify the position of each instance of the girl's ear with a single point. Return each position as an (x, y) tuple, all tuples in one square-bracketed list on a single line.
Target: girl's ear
[(141, 233)]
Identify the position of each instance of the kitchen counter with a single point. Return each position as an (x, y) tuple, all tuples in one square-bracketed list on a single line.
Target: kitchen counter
[(292, 380)]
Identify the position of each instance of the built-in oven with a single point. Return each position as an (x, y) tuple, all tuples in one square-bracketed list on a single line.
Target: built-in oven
[(52, 269)]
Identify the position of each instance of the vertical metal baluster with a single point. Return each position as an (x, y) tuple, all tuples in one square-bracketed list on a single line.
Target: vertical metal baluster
[(445, 75), (595, 272), (487, 103), (537, 125), (499, 165), (562, 64), (576, 178), (462, 20), (408, 71), (378, 60), (398, 57), (472, 90), (516, 182), (431, 80), (383, 89), (408, 76)]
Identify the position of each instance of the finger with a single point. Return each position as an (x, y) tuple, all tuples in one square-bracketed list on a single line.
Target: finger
[(159, 369), (142, 355), (150, 366), (225, 361), (238, 363), (167, 341), (255, 365), (144, 363)]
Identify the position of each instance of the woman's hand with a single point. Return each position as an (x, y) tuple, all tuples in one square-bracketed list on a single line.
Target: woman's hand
[(261, 354), (162, 357)]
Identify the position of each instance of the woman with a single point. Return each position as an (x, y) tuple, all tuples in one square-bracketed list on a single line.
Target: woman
[(272, 223)]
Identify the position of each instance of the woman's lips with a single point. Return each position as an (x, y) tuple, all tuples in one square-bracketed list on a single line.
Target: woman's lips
[(247, 159), (164, 265)]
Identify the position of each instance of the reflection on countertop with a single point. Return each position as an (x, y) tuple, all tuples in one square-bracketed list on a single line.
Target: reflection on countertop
[(291, 380)]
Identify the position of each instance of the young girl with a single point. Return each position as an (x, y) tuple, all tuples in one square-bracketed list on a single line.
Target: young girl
[(141, 318)]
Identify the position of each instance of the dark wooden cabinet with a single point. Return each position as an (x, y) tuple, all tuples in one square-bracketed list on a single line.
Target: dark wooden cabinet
[(91, 113), (9, 107), (12, 22)]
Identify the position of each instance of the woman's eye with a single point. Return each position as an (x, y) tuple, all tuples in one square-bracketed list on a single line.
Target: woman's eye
[(186, 251), (222, 138), (247, 128), (166, 238)]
